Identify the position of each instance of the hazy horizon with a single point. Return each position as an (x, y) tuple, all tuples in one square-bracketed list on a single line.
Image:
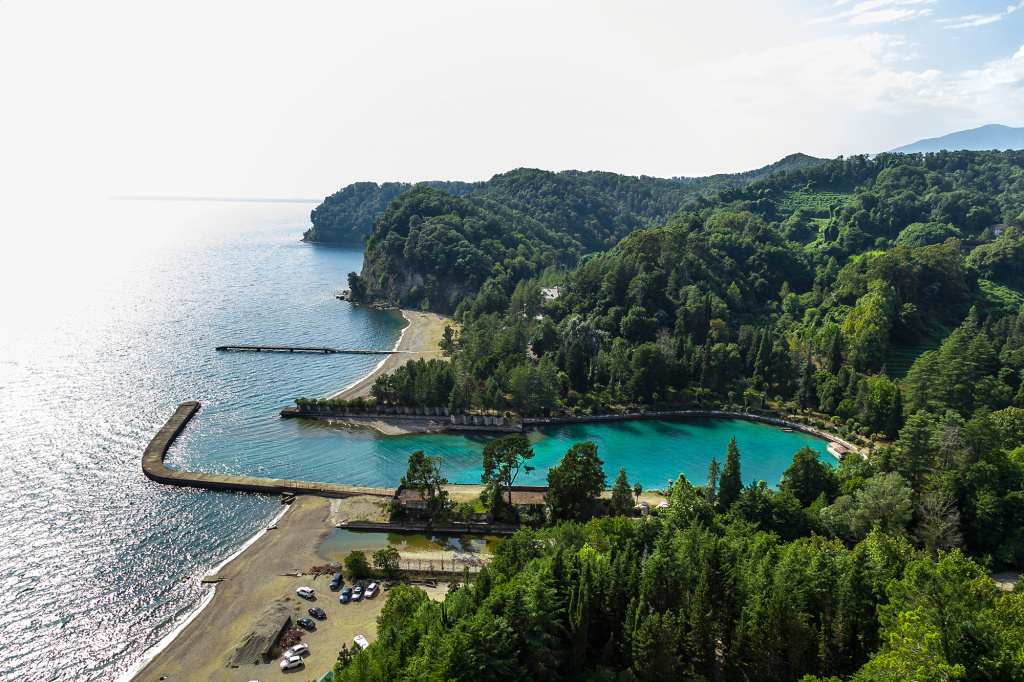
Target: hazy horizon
[(235, 99)]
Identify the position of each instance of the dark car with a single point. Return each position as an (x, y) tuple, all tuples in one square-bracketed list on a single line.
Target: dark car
[(337, 581), (317, 613), (306, 623), (346, 595)]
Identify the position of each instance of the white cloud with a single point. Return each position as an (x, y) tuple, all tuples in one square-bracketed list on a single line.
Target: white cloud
[(972, 20), (878, 12), (884, 16)]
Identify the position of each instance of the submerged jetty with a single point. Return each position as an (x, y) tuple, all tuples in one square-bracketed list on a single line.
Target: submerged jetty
[(155, 469)]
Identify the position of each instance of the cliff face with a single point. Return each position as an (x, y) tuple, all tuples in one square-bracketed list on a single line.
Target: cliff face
[(428, 246)]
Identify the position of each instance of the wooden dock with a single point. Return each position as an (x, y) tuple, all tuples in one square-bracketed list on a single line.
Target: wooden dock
[(155, 469), (306, 349)]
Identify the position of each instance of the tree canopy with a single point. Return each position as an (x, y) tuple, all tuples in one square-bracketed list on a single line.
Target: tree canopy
[(504, 458), (575, 481)]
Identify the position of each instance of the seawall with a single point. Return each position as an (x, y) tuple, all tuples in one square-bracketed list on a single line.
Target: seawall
[(154, 468)]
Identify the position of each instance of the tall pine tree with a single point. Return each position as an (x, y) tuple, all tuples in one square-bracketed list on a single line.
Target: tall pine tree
[(711, 489), (730, 485)]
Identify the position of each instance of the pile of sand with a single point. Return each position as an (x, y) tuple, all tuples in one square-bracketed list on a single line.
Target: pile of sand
[(261, 640)]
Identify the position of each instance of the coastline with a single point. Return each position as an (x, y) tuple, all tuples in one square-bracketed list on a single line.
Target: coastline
[(175, 651), (168, 639), (419, 340), (260, 572)]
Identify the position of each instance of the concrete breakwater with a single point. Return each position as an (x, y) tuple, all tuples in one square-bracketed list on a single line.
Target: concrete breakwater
[(154, 468)]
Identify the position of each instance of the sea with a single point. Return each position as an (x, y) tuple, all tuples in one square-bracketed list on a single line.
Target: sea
[(110, 313)]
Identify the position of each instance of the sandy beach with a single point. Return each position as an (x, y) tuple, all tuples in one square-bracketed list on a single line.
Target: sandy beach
[(266, 573), (420, 339)]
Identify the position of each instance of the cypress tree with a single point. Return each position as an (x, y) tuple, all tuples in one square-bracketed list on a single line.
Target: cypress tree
[(622, 498), (761, 365), (806, 394), (730, 485), (705, 369), (711, 489)]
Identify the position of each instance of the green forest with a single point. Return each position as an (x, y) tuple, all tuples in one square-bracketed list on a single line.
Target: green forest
[(879, 298), (346, 217), (692, 596)]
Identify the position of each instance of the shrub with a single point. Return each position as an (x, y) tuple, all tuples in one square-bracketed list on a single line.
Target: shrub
[(357, 565)]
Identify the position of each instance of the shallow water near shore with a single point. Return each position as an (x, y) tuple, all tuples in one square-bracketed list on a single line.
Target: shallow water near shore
[(110, 322)]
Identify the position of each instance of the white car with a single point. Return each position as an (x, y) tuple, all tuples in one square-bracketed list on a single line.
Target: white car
[(305, 592), (292, 662), (296, 650), (371, 589), (360, 641)]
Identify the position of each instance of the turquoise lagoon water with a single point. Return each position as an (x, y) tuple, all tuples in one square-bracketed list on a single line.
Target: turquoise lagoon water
[(110, 317), (651, 451)]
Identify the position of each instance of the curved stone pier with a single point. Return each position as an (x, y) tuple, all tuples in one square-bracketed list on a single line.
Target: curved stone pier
[(155, 469)]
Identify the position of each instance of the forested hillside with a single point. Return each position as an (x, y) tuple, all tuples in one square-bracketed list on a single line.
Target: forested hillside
[(792, 294), (881, 299), (346, 216), (691, 596)]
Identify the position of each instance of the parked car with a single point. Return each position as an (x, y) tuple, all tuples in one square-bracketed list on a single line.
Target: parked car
[(306, 623), (357, 593), (296, 650), (292, 662), (306, 592), (317, 612), (360, 641), (371, 590), (346, 595), (337, 581)]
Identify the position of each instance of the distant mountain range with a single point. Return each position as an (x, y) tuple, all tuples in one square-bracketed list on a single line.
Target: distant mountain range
[(984, 138)]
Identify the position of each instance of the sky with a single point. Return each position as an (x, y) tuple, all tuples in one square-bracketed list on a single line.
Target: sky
[(298, 99)]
